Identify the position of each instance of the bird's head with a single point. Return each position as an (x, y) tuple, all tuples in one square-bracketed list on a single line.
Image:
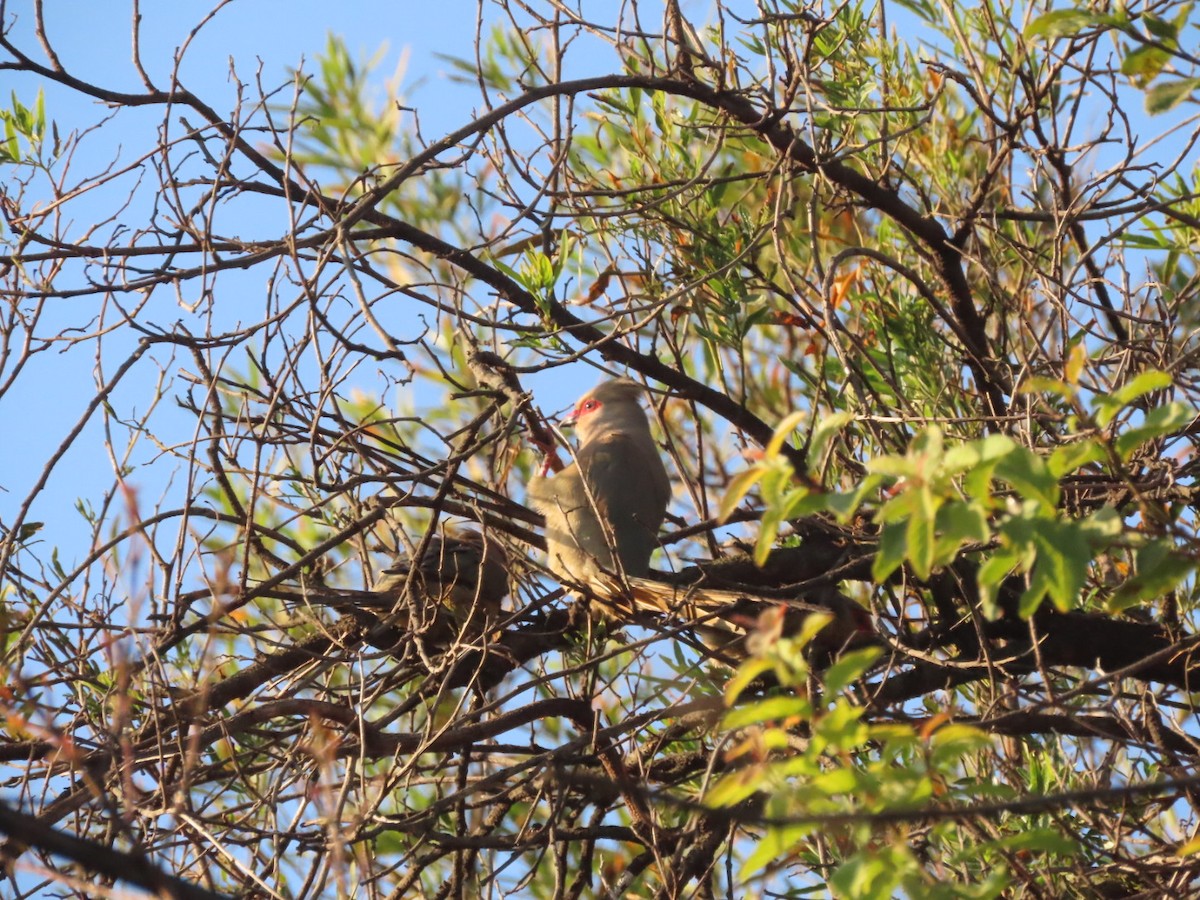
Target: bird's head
[(610, 406)]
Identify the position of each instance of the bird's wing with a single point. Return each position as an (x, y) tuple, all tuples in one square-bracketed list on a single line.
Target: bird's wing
[(573, 530), (629, 488)]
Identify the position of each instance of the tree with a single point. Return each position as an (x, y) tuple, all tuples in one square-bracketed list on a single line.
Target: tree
[(919, 320)]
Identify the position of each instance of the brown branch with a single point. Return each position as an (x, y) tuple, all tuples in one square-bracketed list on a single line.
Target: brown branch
[(130, 866)]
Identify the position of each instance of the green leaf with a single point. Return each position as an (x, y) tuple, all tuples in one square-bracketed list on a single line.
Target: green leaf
[(845, 504), (768, 529), (785, 428), (843, 780), (1167, 95), (1032, 597), (1038, 840), (991, 574), (842, 727), (775, 844), (537, 272), (1102, 527), (959, 523), (827, 429), (803, 501), (1063, 557), (1041, 385), (814, 623), (992, 450), (744, 676), (1159, 421), (1061, 23), (1144, 64), (893, 545), (900, 507), (1185, 13), (772, 709), (735, 787), (1145, 241), (1158, 569), (39, 116), (920, 532), (874, 874), (891, 466), (1167, 32), (952, 742), (1108, 406), (739, 487), (848, 668), (1071, 457), (1028, 473)]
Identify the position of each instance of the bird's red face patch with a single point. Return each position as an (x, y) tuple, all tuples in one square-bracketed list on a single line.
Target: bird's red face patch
[(584, 407)]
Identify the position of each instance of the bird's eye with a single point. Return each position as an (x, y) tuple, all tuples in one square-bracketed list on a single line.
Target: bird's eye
[(589, 405)]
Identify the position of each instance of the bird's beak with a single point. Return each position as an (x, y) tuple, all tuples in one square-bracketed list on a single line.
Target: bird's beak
[(568, 420)]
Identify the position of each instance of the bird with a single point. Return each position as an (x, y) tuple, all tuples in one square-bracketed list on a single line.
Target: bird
[(603, 510), (460, 571)]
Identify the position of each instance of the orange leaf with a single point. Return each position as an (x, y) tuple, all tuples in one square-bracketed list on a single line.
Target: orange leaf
[(933, 724), (791, 320), (599, 286), (842, 285)]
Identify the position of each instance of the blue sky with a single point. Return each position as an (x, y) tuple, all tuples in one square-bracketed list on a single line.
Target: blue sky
[(264, 38)]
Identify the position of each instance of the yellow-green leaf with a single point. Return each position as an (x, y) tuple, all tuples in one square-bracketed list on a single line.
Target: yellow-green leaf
[(1061, 23), (739, 487), (786, 427)]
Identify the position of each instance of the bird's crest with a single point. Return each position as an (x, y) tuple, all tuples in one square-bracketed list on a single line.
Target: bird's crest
[(617, 389)]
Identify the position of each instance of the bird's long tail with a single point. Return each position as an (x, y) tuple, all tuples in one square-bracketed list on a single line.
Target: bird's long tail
[(734, 611)]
